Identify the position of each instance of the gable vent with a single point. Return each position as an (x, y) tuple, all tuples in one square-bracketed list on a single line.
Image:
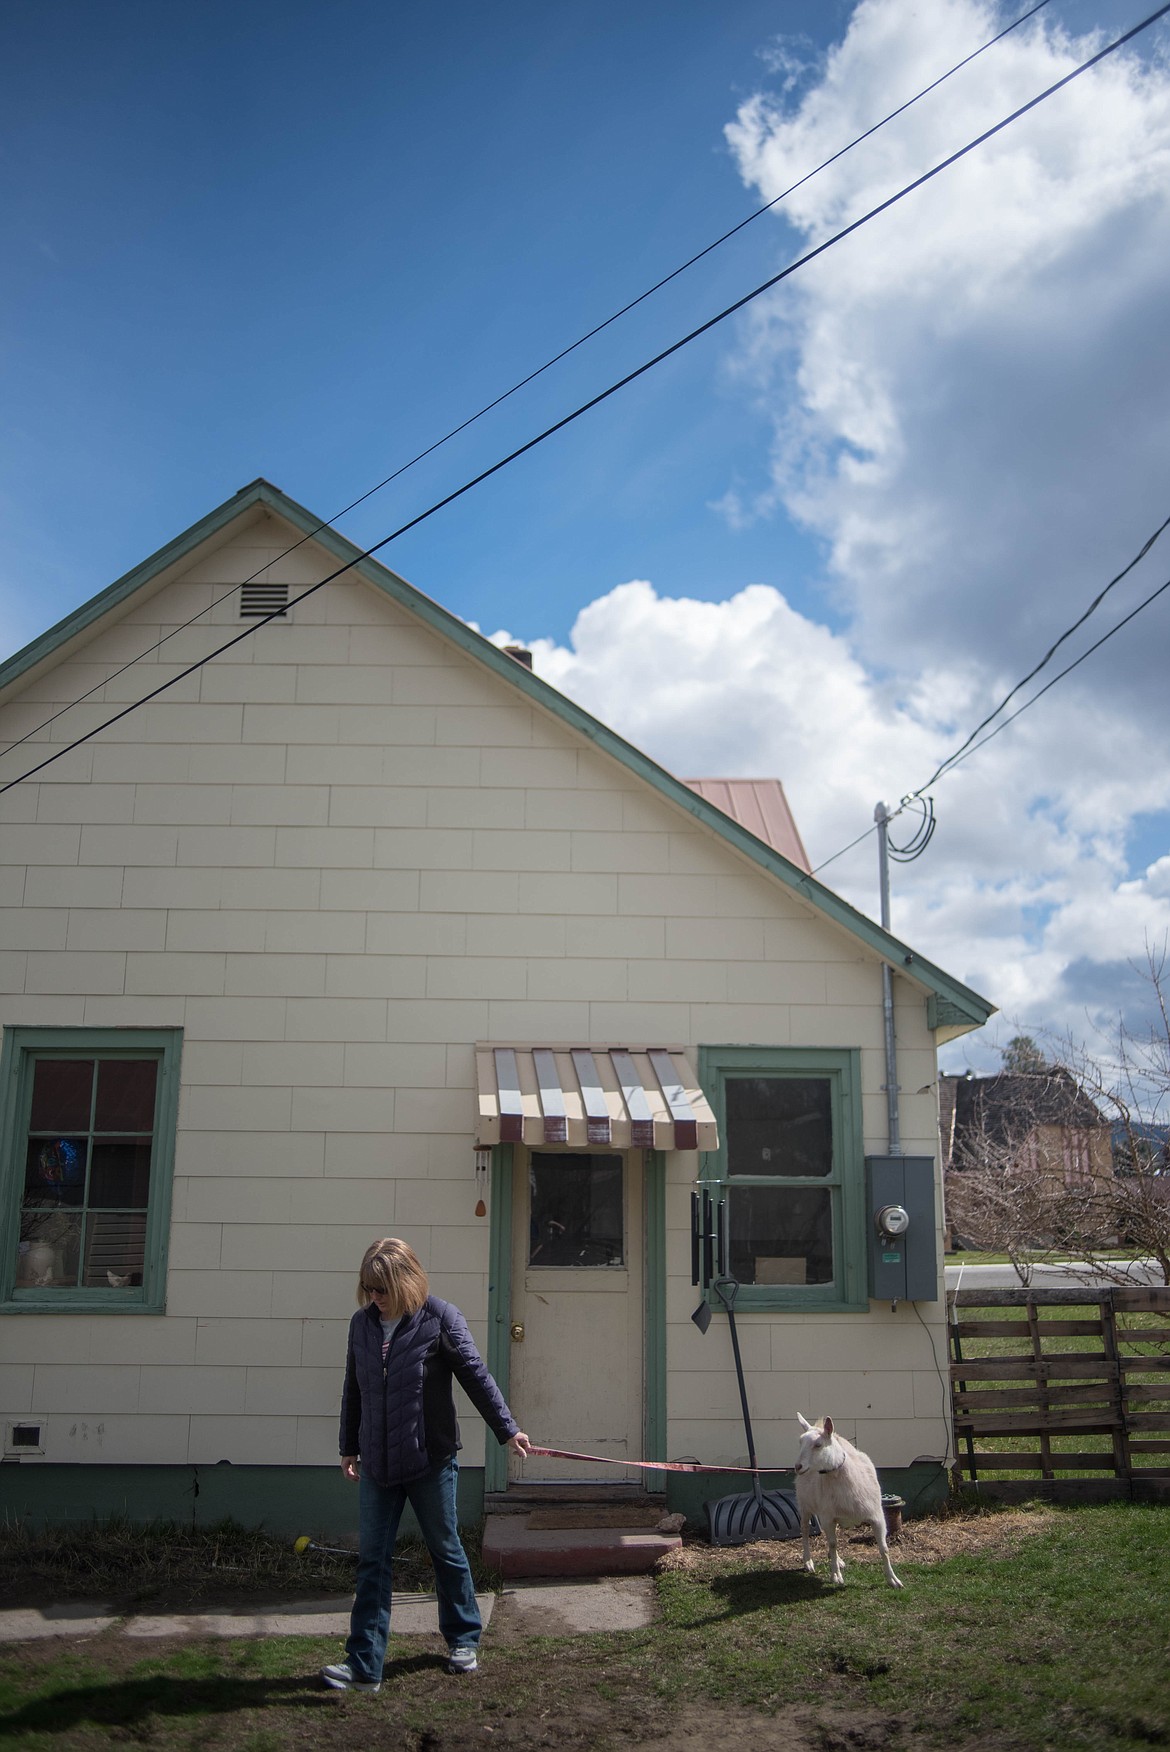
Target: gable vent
[(261, 599)]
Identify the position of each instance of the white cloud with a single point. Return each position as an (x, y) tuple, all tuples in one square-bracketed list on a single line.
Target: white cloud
[(968, 406)]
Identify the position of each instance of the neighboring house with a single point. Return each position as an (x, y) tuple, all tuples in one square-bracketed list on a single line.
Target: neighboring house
[(360, 929), (1041, 1121)]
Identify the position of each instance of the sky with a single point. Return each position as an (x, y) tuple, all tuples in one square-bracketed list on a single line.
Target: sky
[(821, 543)]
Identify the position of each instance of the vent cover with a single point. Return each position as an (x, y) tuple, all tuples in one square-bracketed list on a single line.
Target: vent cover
[(23, 1438), (261, 599)]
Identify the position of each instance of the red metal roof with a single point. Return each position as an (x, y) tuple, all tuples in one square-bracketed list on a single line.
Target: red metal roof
[(761, 806)]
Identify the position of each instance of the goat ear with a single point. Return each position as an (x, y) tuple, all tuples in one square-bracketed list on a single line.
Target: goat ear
[(803, 1421), (827, 1426)]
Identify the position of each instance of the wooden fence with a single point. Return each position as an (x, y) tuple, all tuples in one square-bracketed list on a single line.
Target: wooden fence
[(1069, 1388)]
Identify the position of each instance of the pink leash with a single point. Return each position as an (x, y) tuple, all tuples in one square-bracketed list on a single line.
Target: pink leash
[(643, 1465)]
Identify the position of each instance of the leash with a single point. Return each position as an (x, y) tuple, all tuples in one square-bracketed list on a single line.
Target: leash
[(642, 1465)]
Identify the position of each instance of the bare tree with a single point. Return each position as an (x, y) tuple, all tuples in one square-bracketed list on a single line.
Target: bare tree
[(1130, 1210), (1027, 1144), (1001, 1205)]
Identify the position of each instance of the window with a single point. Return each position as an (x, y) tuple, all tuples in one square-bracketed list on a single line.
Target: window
[(577, 1210), (792, 1171), (87, 1129)]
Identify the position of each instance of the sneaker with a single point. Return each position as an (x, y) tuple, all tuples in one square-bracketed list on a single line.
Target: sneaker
[(343, 1678), (462, 1658)]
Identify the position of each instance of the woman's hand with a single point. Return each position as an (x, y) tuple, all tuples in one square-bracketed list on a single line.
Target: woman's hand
[(350, 1468), (519, 1444)]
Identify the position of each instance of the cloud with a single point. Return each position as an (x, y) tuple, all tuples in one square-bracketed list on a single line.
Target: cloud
[(968, 394), (967, 405)]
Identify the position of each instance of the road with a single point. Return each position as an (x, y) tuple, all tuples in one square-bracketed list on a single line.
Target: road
[(1066, 1276)]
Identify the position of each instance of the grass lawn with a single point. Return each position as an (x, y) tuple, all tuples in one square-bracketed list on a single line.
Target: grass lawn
[(1021, 1631)]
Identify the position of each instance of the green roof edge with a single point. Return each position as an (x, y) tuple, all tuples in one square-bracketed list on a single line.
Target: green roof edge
[(259, 492), (951, 1001)]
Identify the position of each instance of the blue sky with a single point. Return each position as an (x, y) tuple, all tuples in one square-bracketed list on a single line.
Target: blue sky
[(303, 242)]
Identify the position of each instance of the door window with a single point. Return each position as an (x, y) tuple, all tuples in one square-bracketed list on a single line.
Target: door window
[(577, 1210)]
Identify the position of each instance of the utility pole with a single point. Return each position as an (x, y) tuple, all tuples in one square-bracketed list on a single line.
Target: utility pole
[(893, 1125)]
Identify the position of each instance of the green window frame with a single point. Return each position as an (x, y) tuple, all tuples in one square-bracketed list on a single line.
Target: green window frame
[(140, 1153), (841, 1186)]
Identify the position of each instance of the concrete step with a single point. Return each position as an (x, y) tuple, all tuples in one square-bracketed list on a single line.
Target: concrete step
[(516, 1548), (522, 1497)]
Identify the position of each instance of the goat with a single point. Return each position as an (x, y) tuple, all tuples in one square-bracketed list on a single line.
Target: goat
[(838, 1484)]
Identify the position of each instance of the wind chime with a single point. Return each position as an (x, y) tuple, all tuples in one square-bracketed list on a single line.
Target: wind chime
[(483, 1162)]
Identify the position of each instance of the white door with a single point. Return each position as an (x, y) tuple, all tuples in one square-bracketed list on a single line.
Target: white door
[(576, 1378)]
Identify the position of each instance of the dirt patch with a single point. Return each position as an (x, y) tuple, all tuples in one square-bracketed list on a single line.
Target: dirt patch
[(702, 1728), (931, 1540)]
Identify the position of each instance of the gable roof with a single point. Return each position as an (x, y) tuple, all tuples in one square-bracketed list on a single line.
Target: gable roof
[(761, 806), (1008, 1105), (953, 1008)]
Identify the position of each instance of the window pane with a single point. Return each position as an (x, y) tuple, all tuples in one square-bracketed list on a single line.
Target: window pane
[(781, 1235), (54, 1171), (779, 1126), (115, 1247), (576, 1215), (125, 1095), (47, 1252), (120, 1175), (61, 1095)]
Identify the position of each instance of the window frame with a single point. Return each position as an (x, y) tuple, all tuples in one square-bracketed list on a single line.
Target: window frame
[(22, 1047), (841, 1066)]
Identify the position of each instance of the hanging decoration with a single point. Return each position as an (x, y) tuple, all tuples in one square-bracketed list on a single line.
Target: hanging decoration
[(483, 1161)]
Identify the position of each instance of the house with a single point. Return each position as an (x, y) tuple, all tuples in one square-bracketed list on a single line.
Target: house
[(1013, 1145), (360, 928), (1042, 1121)]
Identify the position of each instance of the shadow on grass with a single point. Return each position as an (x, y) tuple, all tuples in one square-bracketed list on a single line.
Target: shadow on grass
[(760, 1591), (129, 1703)]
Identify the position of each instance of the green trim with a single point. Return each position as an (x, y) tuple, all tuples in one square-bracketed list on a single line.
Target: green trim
[(654, 1390), (284, 1500), (51, 643), (22, 1046), (842, 1066), (971, 1010), (499, 1340)]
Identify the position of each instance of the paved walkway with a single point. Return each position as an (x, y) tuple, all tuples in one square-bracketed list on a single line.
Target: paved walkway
[(521, 1609)]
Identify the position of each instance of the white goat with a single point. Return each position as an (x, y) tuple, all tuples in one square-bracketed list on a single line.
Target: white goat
[(839, 1485)]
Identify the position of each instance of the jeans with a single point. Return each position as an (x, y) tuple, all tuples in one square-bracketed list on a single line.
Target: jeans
[(432, 1497)]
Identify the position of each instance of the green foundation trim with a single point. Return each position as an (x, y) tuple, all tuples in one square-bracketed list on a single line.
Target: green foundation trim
[(922, 1487), (285, 1500)]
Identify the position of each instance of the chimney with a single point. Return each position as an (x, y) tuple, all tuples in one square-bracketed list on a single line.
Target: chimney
[(521, 655)]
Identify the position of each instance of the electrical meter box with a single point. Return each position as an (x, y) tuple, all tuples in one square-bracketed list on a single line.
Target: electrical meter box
[(903, 1238)]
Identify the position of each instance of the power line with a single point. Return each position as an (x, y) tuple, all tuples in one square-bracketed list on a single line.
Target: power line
[(966, 752), (538, 372), (605, 394), (925, 832), (952, 759)]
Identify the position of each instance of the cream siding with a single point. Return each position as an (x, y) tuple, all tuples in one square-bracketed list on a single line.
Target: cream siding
[(336, 857)]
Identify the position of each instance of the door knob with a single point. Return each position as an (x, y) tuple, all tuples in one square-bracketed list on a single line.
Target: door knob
[(517, 1332)]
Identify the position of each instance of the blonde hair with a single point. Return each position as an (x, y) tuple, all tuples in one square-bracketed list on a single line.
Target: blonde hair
[(395, 1267)]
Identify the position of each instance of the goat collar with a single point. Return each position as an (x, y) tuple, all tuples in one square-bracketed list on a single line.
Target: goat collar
[(837, 1467)]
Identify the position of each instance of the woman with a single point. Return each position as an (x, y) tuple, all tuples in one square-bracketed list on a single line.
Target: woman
[(399, 1438)]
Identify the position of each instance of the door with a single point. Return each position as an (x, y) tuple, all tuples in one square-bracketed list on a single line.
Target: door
[(576, 1376)]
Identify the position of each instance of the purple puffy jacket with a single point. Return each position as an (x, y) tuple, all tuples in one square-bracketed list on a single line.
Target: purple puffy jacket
[(400, 1417)]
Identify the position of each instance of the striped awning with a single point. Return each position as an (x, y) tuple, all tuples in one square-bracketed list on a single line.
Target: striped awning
[(621, 1097)]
